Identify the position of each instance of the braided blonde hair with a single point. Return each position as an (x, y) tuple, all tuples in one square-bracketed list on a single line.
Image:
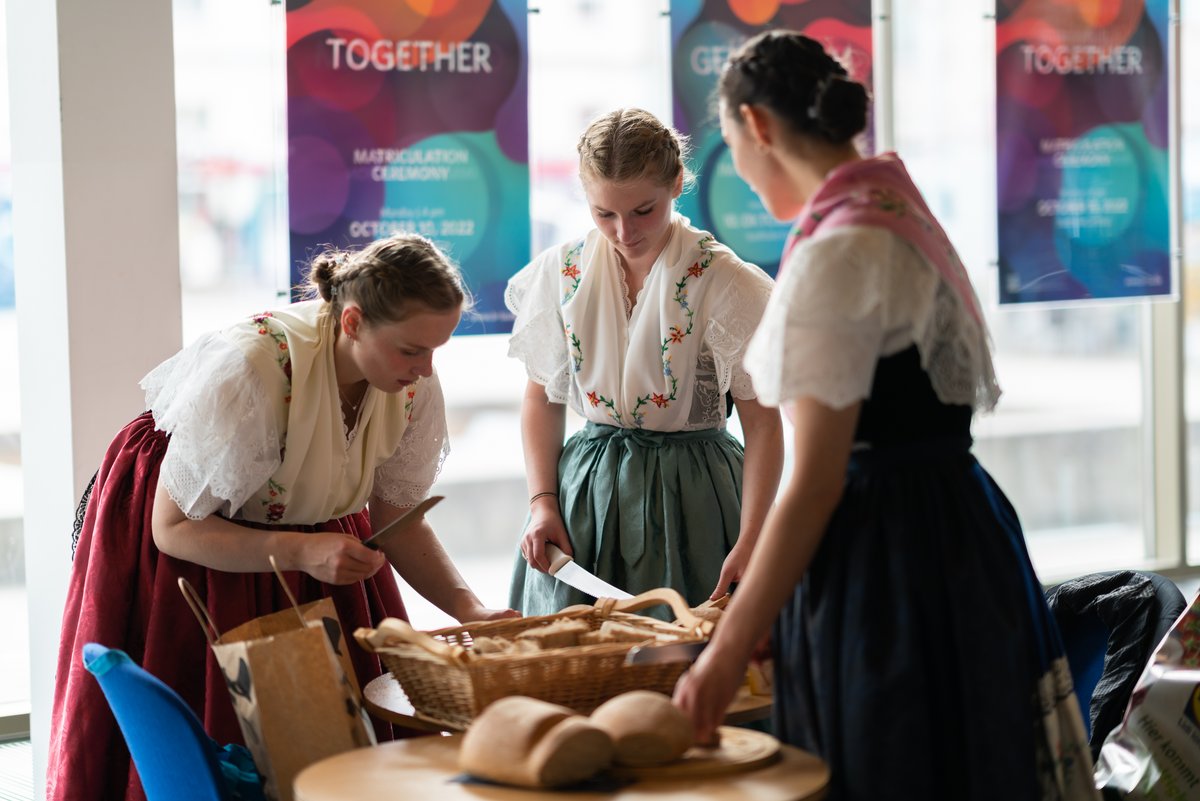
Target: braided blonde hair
[(629, 144), (390, 279)]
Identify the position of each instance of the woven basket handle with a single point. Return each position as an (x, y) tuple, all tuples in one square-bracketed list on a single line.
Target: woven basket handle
[(668, 596), (392, 629)]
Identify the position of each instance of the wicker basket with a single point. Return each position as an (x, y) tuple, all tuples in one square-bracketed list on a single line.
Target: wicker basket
[(450, 685)]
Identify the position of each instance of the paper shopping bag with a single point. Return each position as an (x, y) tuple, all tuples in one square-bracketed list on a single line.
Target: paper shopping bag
[(292, 686)]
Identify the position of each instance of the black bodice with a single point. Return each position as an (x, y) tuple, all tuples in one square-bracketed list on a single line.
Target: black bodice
[(903, 407)]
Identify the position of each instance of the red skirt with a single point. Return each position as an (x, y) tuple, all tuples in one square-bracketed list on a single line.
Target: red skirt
[(124, 594)]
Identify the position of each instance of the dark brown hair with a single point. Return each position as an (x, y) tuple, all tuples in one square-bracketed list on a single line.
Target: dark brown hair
[(390, 279), (800, 82), (629, 144)]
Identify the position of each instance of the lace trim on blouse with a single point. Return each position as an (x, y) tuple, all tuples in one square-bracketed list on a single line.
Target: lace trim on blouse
[(225, 443), (745, 298), (846, 299), (537, 336), (224, 438), (406, 478)]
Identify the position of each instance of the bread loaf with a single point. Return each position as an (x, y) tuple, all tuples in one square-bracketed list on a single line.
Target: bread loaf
[(614, 631), (646, 728), (531, 743), (491, 645), (712, 613), (559, 634), (484, 646)]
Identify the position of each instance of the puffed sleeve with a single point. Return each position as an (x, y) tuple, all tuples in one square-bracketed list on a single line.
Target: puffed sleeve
[(838, 299), (406, 478), (732, 322), (537, 336), (225, 432)]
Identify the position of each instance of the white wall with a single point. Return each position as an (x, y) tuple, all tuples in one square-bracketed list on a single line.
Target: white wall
[(96, 247)]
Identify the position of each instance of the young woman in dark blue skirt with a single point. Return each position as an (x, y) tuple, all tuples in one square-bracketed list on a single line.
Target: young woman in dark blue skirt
[(914, 650)]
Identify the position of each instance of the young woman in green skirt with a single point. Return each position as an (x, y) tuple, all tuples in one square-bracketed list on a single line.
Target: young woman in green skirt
[(640, 326)]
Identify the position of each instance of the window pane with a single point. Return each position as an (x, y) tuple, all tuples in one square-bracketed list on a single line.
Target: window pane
[(229, 95), (1065, 441)]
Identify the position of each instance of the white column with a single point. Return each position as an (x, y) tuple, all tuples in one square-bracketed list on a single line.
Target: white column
[(1165, 441), (96, 241)]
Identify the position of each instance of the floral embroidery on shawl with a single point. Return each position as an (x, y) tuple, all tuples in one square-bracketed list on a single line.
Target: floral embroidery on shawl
[(409, 394), (675, 334), (576, 349), (283, 358), (276, 506), (275, 502), (597, 399), (570, 269)]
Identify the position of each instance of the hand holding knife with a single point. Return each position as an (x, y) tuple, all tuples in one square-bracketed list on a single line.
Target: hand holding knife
[(564, 568)]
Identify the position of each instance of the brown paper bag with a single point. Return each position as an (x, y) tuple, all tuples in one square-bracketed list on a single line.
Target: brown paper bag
[(292, 686)]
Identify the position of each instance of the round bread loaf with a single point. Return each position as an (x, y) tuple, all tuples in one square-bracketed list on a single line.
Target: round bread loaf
[(646, 728), (532, 743)]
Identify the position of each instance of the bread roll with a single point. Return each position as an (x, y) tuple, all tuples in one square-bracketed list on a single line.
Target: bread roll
[(712, 613), (646, 728), (491, 645), (614, 631), (531, 743), (559, 634)]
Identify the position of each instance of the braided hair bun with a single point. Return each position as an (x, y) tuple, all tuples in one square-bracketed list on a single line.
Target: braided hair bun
[(800, 82)]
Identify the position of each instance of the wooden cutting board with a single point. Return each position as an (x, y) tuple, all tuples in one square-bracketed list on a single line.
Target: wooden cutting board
[(740, 750)]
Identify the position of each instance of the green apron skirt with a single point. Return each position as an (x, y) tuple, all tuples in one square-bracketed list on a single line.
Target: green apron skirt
[(643, 509)]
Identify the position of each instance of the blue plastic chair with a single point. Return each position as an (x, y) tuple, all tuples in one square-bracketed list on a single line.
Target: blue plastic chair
[(173, 755)]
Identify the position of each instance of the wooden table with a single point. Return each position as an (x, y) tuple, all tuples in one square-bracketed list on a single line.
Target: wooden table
[(427, 767), (384, 698)]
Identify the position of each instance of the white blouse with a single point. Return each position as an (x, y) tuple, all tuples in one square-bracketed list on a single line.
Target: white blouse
[(233, 411), (665, 364), (847, 298)]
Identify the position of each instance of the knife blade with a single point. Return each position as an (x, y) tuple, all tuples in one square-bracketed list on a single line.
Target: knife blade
[(375, 540), (564, 568), (675, 652)]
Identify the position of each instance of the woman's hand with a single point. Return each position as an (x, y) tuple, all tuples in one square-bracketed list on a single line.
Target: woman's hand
[(482, 614), (706, 690), (337, 558), (732, 569), (220, 544), (545, 525)]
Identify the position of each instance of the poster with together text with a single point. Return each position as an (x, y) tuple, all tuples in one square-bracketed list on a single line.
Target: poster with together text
[(409, 116), (1082, 151)]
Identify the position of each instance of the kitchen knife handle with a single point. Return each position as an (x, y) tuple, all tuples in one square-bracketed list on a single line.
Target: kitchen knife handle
[(556, 557)]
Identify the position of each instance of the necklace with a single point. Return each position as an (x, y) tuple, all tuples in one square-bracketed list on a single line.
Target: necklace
[(351, 406)]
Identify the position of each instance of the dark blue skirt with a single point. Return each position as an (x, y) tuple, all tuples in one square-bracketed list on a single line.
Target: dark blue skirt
[(914, 656)]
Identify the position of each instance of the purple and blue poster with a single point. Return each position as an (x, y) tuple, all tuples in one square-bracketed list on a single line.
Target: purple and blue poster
[(703, 35), (412, 116), (1082, 150)]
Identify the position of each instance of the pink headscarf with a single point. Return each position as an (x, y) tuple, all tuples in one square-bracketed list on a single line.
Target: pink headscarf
[(878, 191)]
